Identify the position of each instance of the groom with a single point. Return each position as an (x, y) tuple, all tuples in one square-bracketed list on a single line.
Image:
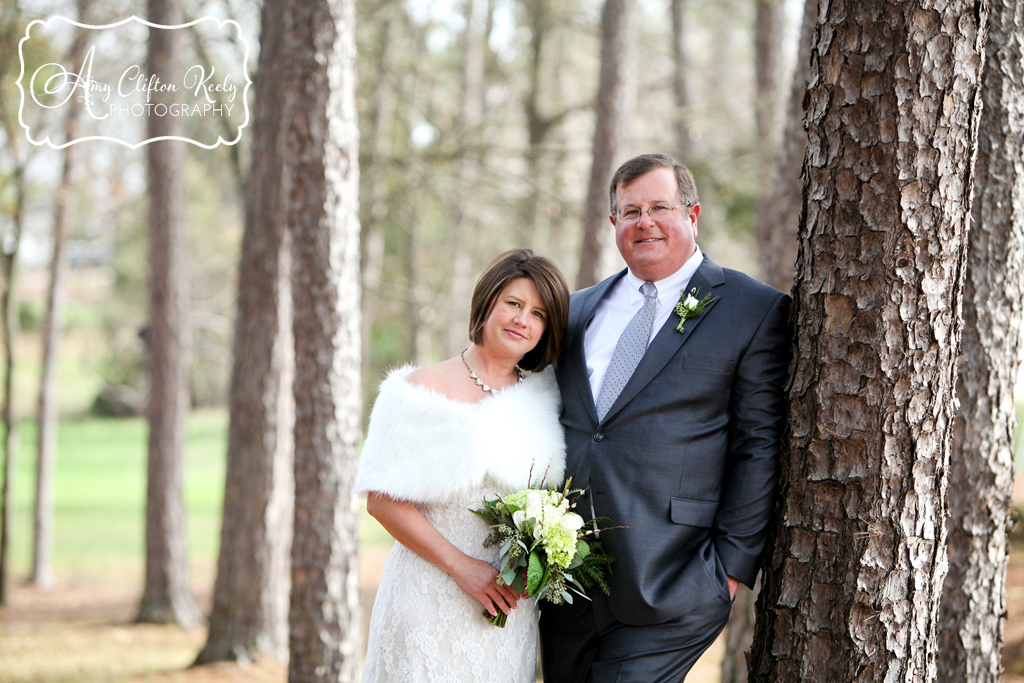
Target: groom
[(675, 422)]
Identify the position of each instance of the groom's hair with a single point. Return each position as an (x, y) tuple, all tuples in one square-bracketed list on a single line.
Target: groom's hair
[(645, 163), (554, 293)]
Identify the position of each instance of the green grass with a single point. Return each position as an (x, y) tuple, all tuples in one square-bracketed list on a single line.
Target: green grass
[(99, 497), (99, 493)]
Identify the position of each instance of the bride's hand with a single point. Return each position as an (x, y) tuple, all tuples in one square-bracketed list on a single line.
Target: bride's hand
[(478, 578)]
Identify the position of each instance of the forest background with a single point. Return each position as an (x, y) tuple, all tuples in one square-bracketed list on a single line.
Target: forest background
[(477, 127)]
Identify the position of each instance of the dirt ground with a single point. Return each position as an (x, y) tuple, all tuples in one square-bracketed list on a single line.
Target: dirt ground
[(82, 633)]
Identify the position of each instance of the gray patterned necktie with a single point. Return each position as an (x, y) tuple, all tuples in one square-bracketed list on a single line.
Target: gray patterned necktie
[(628, 352)]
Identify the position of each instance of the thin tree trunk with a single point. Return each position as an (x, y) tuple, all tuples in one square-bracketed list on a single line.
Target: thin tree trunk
[(616, 100), (681, 123), (739, 634), (768, 94), (10, 467), (533, 228), (8, 260), (421, 346), (372, 264), (981, 465), (250, 596), (47, 417), (166, 596), (9, 242), (325, 630), (768, 78), (460, 250), (540, 209), (855, 567), (776, 227)]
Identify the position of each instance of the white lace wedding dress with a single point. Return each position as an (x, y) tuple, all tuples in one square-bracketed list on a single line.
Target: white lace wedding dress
[(446, 457), (424, 627)]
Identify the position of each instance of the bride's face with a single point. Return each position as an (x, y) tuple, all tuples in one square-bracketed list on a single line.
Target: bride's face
[(517, 320)]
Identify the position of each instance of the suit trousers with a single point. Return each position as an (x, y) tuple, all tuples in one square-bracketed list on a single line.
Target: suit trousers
[(595, 647)]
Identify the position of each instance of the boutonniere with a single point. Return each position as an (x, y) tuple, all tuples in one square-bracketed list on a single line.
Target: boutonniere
[(690, 307)]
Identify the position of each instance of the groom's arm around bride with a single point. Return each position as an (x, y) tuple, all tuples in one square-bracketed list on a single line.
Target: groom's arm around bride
[(674, 416)]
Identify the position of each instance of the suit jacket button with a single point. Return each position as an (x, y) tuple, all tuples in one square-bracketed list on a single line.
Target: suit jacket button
[(599, 437)]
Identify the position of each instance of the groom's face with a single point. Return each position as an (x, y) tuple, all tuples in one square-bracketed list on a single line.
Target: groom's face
[(654, 249)]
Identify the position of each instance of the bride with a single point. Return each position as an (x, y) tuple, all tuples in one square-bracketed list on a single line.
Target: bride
[(442, 439)]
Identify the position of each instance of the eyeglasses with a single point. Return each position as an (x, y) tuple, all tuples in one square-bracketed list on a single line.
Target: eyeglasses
[(657, 212)]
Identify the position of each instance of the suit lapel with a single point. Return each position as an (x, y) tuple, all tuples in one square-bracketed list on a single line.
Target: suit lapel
[(589, 299), (668, 340)]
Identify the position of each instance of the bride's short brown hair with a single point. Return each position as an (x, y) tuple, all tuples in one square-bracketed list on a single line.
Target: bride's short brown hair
[(553, 290)]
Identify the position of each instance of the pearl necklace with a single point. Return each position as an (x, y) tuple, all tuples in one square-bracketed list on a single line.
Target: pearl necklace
[(480, 382)]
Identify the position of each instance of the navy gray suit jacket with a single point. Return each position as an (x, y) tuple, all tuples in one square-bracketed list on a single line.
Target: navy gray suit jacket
[(688, 455)]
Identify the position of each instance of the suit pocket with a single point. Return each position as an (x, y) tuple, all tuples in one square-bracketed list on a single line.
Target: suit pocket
[(706, 364), (693, 512)]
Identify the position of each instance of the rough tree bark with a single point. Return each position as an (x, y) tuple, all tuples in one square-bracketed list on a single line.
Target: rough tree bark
[(250, 596), (776, 227), (616, 100), (855, 567), (166, 596), (325, 629), (981, 465)]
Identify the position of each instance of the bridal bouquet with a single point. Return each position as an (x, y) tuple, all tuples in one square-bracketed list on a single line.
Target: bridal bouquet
[(545, 546)]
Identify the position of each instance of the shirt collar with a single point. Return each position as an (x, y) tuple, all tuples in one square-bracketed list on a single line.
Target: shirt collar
[(671, 287)]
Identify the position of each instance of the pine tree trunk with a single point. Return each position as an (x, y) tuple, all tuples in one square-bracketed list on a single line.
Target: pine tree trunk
[(47, 416), (856, 563), (981, 465), (616, 100), (250, 597), (376, 179), (8, 260), (768, 79), (534, 228), (739, 634), (767, 98), (325, 630), (776, 227), (680, 64), (11, 238), (463, 237), (166, 596)]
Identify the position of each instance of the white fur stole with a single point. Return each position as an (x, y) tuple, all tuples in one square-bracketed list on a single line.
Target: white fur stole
[(423, 447)]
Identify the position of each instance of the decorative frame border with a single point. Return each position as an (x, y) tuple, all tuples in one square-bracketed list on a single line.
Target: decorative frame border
[(220, 139)]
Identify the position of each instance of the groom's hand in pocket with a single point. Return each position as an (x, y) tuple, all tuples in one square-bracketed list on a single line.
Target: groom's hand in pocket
[(733, 585)]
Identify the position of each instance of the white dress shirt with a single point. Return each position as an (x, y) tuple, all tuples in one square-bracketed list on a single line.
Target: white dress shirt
[(619, 306)]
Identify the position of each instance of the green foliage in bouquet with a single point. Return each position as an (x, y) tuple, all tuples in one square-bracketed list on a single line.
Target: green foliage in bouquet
[(545, 549)]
